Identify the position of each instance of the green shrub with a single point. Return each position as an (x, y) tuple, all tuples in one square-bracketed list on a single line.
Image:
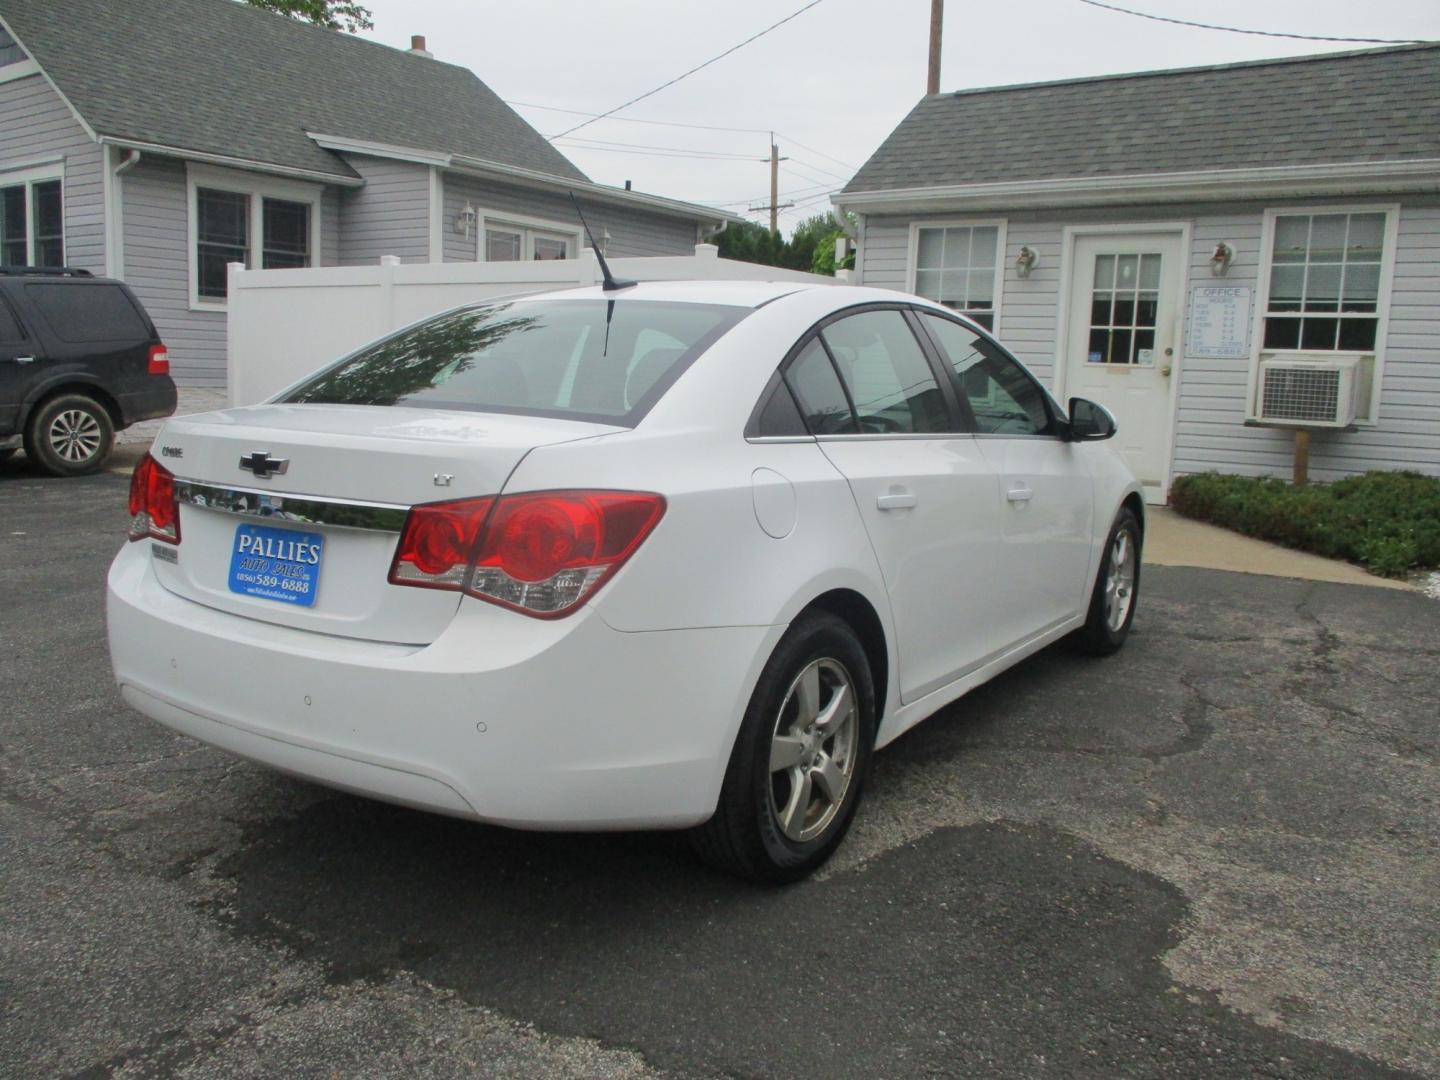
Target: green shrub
[(1388, 522)]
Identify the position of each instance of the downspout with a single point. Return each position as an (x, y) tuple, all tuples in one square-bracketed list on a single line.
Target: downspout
[(115, 214), (706, 234), (132, 158)]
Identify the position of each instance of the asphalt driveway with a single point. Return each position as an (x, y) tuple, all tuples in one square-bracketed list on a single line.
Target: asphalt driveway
[(1217, 854)]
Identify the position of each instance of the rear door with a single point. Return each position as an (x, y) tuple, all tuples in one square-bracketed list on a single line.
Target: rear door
[(926, 493), (95, 329), (1045, 491), (18, 351)]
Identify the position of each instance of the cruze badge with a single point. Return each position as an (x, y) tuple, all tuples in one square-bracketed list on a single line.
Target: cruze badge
[(262, 464)]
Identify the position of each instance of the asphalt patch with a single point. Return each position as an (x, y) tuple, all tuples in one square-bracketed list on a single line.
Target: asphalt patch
[(993, 950)]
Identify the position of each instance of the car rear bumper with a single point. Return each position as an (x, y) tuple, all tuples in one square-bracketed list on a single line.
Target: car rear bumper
[(564, 724)]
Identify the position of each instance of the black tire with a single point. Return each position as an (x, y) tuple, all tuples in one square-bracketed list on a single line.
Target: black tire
[(6, 454), (69, 435), (748, 834), (1101, 636)]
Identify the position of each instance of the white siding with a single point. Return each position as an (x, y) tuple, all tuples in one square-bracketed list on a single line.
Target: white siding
[(390, 215), (1210, 431), (632, 232), (36, 124)]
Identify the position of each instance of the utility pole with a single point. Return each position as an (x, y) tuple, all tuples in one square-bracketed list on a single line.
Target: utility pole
[(775, 204), (937, 19)]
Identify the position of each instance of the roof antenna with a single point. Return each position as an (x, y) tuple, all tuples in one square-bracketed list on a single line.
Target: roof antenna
[(612, 283)]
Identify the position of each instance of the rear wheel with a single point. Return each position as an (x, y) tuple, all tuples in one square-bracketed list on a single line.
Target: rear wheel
[(798, 765), (1117, 587), (69, 435)]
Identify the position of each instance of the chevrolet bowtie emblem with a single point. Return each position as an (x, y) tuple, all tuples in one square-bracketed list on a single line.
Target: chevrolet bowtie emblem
[(262, 464)]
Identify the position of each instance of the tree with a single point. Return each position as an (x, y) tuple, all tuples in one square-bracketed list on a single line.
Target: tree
[(344, 15), (806, 249)]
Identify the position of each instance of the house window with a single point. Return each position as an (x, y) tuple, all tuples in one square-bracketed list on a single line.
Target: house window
[(246, 218), (956, 265), (505, 241), (32, 223), (1325, 282)]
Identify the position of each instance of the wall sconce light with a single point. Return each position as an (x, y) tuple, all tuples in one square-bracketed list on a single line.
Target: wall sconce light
[(1221, 258), (1026, 261), (465, 220)]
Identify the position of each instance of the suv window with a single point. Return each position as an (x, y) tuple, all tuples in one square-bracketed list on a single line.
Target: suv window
[(1005, 399), (582, 359), (88, 313), (10, 332), (885, 370)]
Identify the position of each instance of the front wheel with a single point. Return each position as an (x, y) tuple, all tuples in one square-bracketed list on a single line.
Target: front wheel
[(798, 765), (1117, 587), (69, 435)]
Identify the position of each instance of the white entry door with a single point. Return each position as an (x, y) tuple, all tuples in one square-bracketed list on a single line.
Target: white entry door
[(1123, 340)]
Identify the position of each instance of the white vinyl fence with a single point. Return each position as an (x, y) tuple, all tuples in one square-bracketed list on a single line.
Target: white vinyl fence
[(284, 324)]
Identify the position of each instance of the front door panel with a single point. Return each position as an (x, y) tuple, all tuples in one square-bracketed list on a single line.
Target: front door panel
[(1122, 341)]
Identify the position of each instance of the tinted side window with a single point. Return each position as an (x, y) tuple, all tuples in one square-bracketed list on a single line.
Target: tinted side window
[(818, 392), (887, 374), (1003, 397), (85, 313), (10, 332), (777, 413)]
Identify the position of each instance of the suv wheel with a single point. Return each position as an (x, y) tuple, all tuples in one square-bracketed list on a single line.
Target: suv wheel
[(69, 435)]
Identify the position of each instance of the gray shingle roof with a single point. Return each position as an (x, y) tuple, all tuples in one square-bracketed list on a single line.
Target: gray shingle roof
[(1375, 105), (226, 78)]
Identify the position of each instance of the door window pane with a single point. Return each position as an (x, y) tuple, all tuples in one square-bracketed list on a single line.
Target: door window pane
[(1003, 397), (886, 372), (287, 235), (503, 245), (13, 247), (1124, 303), (956, 266), (1324, 265), (222, 230), (818, 392), (49, 218)]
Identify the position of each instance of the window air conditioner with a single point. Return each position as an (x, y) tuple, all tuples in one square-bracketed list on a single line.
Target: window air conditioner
[(1306, 392)]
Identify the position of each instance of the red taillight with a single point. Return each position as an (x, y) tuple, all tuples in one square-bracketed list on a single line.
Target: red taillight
[(437, 542), (542, 554), (159, 363), (153, 509)]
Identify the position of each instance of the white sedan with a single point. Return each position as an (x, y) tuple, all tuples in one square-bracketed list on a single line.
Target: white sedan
[(672, 555)]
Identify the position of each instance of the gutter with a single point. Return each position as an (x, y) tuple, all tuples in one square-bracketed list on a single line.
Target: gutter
[(1416, 175), (228, 161)]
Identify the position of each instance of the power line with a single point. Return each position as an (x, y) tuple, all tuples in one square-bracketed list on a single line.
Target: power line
[(663, 154), (692, 71), (1256, 33), (636, 120), (596, 144), (810, 149)]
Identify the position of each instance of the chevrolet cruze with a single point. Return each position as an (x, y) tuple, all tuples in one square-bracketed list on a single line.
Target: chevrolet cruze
[(671, 555)]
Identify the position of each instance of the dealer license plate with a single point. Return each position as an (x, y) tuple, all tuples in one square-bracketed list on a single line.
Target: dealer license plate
[(276, 564)]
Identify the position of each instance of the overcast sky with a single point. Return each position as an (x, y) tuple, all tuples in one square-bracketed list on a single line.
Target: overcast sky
[(832, 83)]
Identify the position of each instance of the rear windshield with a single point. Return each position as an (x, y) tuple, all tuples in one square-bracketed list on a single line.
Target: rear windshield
[(88, 313), (605, 360)]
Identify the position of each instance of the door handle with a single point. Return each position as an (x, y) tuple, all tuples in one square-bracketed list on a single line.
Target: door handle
[(24, 359), (897, 500), (1019, 493)]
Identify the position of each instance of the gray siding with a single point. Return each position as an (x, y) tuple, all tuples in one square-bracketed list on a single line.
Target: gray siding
[(1210, 431), (37, 124), (390, 215), (157, 267), (632, 232)]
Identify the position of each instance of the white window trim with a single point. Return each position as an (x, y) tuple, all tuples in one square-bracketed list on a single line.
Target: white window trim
[(258, 187), (1382, 304), (912, 255), (23, 69), (29, 177), (527, 227)]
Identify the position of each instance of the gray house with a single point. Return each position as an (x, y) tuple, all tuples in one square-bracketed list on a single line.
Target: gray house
[(1220, 255), (158, 140)]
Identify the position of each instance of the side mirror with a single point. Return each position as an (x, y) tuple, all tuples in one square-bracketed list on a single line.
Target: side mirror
[(1090, 422)]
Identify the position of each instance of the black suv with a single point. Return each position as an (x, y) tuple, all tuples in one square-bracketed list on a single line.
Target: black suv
[(79, 360)]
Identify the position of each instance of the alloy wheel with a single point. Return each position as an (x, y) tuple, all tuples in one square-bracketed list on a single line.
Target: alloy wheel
[(1120, 580), (813, 750), (75, 436)]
